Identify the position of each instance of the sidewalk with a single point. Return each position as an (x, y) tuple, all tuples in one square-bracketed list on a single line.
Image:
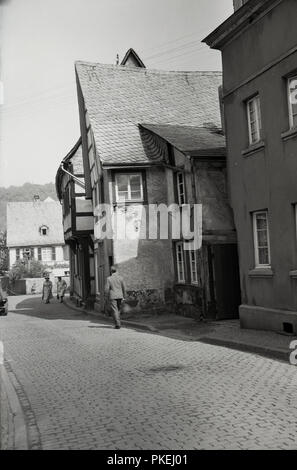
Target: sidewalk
[(222, 333), (13, 429)]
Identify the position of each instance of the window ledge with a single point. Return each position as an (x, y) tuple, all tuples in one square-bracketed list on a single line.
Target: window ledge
[(290, 134), (261, 272), (253, 148), (293, 274)]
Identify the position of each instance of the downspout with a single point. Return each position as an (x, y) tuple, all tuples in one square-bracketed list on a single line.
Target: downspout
[(77, 180)]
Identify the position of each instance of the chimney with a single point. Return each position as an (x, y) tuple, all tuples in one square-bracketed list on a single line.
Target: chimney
[(238, 4)]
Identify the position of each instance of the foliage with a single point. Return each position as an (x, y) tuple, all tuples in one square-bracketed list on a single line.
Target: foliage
[(29, 269), (3, 252), (24, 193)]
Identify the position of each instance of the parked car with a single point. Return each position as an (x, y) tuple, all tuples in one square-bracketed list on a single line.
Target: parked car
[(3, 307)]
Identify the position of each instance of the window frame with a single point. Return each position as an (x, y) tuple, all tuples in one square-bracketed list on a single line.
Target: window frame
[(191, 252), (256, 240), (258, 120), (127, 174), (290, 105), (179, 245), (179, 193), (48, 249)]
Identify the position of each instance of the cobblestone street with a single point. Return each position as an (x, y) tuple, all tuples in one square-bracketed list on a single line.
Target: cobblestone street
[(84, 385)]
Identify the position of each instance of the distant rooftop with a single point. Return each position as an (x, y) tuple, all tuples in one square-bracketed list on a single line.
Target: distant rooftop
[(24, 220)]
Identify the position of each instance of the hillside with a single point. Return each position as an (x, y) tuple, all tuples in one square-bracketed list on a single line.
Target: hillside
[(23, 193)]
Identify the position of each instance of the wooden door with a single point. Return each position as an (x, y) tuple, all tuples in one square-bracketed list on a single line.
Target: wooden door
[(226, 281)]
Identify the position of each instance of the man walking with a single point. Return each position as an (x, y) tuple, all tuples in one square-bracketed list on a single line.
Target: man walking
[(115, 291)]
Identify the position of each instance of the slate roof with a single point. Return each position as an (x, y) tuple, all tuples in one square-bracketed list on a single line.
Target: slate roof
[(191, 140), (119, 98), (24, 220)]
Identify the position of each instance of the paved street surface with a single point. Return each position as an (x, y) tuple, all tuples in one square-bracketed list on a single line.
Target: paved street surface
[(84, 385)]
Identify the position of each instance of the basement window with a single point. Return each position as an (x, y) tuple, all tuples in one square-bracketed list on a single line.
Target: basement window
[(288, 328)]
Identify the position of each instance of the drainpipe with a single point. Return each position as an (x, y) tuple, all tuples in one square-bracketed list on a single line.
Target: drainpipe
[(77, 180)]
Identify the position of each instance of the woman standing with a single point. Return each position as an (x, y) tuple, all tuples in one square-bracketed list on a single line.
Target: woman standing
[(47, 290), (61, 289)]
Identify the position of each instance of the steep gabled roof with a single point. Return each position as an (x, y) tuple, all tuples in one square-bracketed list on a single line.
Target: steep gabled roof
[(190, 139), (119, 98), (24, 220)]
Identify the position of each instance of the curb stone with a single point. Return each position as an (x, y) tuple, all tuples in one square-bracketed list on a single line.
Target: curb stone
[(274, 353), (108, 320), (19, 439)]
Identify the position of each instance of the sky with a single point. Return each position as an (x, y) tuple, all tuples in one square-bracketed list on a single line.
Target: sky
[(41, 39)]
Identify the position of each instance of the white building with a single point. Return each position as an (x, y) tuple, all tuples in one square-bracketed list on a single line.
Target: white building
[(35, 231)]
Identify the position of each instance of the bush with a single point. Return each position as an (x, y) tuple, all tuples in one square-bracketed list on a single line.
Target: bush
[(22, 270)]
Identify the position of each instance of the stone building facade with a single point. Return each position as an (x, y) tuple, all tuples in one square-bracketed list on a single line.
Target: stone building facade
[(259, 89)]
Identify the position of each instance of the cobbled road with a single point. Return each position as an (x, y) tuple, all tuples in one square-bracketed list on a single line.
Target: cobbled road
[(84, 385)]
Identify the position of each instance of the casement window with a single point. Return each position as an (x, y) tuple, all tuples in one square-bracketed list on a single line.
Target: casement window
[(254, 119), (292, 101), (181, 191), (129, 187), (47, 253), (261, 239), (180, 262), (28, 253), (193, 266)]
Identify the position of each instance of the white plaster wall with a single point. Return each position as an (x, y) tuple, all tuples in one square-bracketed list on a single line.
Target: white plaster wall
[(12, 256), (59, 253)]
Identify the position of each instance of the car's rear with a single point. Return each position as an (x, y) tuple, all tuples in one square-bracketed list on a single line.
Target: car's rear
[(3, 307)]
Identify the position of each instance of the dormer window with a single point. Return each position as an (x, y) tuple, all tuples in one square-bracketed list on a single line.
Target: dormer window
[(43, 230)]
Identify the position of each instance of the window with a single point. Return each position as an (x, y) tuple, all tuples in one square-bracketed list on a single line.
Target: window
[(28, 253), (292, 101), (261, 239), (254, 120), (181, 193), (43, 230), (129, 187), (17, 254), (47, 254), (180, 262), (193, 265)]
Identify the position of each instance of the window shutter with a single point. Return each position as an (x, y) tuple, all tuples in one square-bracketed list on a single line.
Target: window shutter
[(54, 253), (39, 254)]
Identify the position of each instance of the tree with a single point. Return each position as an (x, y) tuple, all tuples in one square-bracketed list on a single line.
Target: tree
[(21, 270), (3, 252)]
